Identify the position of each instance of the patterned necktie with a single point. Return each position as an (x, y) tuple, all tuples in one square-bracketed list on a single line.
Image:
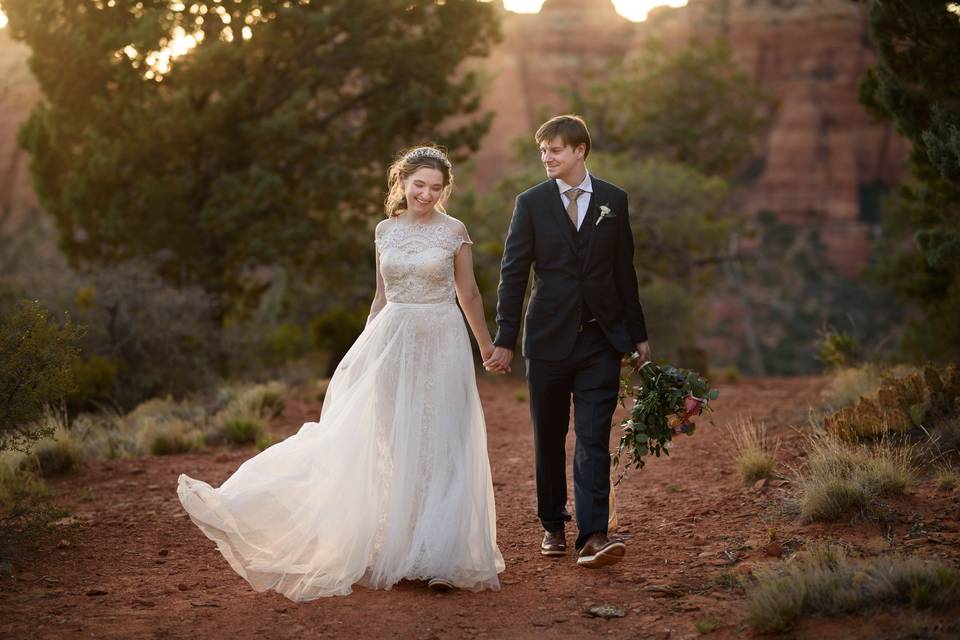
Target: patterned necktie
[(572, 210)]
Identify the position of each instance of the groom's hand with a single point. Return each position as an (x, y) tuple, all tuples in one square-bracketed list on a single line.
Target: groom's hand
[(643, 351), (500, 361), (643, 355)]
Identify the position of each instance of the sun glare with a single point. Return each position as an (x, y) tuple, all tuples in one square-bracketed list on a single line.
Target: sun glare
[(3, 18), (635, 10), (186, 37)]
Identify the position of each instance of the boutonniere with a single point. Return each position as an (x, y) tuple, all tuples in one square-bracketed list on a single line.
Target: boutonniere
[(604, 213)]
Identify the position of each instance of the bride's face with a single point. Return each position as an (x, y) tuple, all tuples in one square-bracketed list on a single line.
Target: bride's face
[(423, 189)]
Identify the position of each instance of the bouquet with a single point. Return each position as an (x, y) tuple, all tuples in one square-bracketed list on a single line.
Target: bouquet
[(665, 402)]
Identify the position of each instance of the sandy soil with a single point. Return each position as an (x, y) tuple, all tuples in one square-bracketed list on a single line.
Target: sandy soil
[(128, 563)]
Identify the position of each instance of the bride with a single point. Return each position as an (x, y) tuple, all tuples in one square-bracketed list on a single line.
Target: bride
[(393, 481)]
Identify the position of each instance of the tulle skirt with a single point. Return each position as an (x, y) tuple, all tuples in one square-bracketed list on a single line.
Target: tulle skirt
[(393, 482)]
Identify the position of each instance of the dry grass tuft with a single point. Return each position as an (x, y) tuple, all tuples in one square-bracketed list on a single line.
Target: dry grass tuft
[(262, 400), (242, 428), (850, 384), (59, 452), (823, 581), (168, 437), (16, 482), (841, 477), (754, 458), (947, 478)]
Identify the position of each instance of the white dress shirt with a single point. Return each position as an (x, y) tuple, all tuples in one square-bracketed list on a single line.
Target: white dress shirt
[(582, 202)]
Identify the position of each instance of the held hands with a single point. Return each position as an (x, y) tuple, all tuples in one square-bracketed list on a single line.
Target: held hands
[(498, 360)]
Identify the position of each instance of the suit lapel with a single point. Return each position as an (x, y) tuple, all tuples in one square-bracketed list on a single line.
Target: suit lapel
[(560, 217)]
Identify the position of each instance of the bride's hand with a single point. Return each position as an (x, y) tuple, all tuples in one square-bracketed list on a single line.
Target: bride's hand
[(486, 352)]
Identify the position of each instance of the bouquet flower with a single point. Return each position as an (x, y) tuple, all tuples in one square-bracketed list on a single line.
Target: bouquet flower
[(665, 402)]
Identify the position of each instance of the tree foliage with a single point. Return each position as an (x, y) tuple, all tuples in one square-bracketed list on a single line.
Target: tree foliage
[(37, 355), (795, 296), (915, 85), (681, 218), (693, 107), (264, 145)]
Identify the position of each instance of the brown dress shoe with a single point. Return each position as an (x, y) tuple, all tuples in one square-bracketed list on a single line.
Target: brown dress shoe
[(554, 543), (601, 551)]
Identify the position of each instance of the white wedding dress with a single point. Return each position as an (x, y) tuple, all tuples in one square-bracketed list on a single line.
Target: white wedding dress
[(393, 482)]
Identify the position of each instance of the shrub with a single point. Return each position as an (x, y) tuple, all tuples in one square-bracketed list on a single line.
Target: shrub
[(335, 331), (94, 377), (108, 435), (284, 342), (672, 318), (946, 433), (840, 477), (57, 454), (264, 441), (754, 459), (262, 400), (322, 389), (838, 350), (18, 482), (242, 428), (706, 625), (947, 479), (847, 385), (897, 405), (928, 399), (730, 374), (161, 340), (170, 437), (37, 357), (164, 410), (827, 583)]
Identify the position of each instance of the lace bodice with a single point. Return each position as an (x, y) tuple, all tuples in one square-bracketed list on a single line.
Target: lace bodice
[(416, 260)]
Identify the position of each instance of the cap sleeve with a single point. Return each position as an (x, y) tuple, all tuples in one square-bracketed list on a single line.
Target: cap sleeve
[(460, 237), (380, 235)]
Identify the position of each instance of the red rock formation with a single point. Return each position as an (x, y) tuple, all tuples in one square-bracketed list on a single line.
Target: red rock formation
[(18, 93), (811, 55)]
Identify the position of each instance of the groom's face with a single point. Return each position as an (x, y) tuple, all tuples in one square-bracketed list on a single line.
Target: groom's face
[(560, 159)]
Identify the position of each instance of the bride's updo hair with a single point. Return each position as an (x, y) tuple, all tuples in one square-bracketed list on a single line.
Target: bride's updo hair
[(406, 165)]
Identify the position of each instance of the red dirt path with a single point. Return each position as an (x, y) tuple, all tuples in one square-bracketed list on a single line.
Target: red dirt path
[(134, 566)]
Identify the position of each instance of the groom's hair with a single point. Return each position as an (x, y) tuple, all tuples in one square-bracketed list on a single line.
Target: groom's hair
[(571, 130)]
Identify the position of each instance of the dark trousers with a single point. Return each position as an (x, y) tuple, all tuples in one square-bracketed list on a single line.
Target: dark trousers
[(592, 376)]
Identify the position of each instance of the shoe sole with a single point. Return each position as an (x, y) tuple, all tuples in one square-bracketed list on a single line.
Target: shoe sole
[(553, 552), (611, 554), (439, 585)]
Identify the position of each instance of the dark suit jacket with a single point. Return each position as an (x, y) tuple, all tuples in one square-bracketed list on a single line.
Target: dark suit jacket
[(541, 236)]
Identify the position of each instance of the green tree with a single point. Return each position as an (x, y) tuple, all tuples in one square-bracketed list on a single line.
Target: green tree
[(684, 130), (265, 145), (37, 356), (693, 107), (915, 85), (796, 296), (681, 218)]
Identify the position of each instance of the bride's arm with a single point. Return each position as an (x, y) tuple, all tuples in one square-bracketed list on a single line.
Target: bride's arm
[(380, 297), (468, 295)]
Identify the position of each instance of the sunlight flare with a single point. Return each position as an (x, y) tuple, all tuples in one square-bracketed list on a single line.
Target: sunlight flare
[(188, 35), (635, 10)]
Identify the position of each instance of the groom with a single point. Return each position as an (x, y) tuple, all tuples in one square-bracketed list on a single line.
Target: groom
[(584, 315)]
